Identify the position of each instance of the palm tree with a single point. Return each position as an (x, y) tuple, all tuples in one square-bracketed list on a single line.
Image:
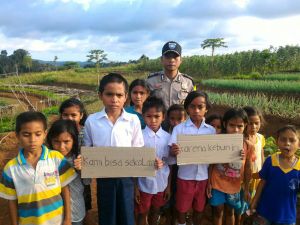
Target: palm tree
[(213, 43)]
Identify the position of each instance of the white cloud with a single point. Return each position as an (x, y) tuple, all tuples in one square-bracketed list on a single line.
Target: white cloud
[(126, 29)]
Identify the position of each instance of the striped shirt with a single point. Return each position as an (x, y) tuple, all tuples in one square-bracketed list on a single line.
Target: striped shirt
[(38, 191)]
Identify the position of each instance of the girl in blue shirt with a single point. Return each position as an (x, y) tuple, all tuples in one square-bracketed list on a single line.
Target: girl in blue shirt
[(276, 195), (138, 92)]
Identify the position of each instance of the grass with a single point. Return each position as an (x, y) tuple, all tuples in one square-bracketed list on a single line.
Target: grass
[(255, 85), (7, 124), (279, 106), (78, 76), (3, 103), (43, 93)]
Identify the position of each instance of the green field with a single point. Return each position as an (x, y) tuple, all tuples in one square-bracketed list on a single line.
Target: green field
[(87, 77), (264, 93), (262, 86)]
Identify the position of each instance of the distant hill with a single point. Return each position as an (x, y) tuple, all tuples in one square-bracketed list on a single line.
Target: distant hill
[(61, 63)]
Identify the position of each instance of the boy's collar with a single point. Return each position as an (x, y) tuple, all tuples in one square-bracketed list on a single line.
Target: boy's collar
[(22, 160), (124, 114), (151, 133), (189, 123)]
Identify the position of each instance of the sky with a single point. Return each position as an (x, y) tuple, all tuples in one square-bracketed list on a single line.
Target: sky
[(126, 29)]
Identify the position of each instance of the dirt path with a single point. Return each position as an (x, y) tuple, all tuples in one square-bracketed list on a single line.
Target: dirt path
[(38, 102)]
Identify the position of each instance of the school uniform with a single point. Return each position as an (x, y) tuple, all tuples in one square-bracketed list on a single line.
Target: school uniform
[(278, 200), (191, 179), (115, 195), (152, 188)]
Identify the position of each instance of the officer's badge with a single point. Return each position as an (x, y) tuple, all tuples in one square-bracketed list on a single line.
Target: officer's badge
[(172, 45), (184, 86)]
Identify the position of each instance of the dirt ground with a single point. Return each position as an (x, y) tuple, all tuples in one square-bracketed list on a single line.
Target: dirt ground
[(272, 123)]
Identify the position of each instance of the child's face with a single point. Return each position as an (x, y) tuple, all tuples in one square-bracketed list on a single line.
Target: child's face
[(72, 113), (197, 109), (113, 97), (63, 143), (153, 119), (31, 136), (171, 61), (176, 117), (216, 123), (254, 125), (138, 95), (288, 143), (235, 126)]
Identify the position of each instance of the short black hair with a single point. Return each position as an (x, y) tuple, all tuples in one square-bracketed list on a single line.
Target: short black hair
[(74, 102), (154, 102), (61, 126), (287, 127), (175, 107), (234, 113), (212, 117), (30, 116), (194, 94), (112, 78)]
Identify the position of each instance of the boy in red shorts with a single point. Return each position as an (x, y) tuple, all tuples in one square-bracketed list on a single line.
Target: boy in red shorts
[(151, 193)]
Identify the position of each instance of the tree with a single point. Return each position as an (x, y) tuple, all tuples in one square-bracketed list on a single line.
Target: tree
[(213, 43), (27, 62), (54, 60), (97, 56), (71, 65), (143, 59)]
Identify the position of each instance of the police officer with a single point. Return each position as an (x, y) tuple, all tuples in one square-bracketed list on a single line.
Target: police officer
[(169, 84)]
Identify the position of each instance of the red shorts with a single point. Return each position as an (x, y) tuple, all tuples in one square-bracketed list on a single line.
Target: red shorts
[(190, 193), (148, 200)]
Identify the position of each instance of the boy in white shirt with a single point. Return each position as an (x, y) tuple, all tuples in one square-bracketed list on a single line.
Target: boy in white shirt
[(114, 127), (151, 193)]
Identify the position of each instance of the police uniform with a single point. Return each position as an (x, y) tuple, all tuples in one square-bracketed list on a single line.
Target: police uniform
[(170, 91)]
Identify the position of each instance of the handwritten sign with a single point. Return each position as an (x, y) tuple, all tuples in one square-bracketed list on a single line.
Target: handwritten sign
[(103, 162), (209, 149)]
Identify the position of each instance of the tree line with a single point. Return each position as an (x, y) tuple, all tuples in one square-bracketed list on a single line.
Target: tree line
[(271, 60), (20, 61)]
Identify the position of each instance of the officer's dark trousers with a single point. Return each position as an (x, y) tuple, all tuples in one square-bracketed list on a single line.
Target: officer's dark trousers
[(115, 198)]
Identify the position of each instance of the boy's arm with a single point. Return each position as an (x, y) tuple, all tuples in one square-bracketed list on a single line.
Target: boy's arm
[(13, 211), (137, 136), (87, 140), (208, 189), (167, 193), (137, 195), (247, 177), (258, 192), (65, 192)]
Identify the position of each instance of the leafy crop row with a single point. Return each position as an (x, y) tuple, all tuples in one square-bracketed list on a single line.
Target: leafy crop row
[(281, 106), (255, 85)]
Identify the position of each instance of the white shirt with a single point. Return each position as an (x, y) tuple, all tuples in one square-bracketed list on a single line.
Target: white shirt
[(159, 141), (100, 131), (194, 171)]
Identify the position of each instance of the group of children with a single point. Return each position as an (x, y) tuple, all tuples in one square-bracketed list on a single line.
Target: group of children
[(44, 186)]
